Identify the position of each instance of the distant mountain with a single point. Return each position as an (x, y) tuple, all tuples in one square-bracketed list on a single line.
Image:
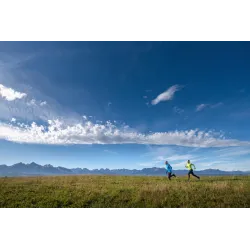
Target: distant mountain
[(34, 169)]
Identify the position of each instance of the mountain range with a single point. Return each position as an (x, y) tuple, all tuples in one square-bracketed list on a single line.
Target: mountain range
[(34, 169)]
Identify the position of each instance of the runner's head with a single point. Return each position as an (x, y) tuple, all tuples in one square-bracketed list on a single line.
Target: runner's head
[(188, 161), (166, 162)]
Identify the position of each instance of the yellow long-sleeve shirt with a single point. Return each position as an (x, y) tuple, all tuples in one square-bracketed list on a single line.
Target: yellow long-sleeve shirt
[(189, 166)]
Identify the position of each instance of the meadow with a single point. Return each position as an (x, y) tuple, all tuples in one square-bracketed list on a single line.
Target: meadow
[(89, 191)]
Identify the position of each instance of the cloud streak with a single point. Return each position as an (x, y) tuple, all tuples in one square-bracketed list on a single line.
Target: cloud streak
[(201, 107), (167, 95), (232, 152), (58, 133), (216, 105)]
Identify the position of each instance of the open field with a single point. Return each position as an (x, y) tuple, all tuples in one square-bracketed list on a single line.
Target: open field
[(124, 191)]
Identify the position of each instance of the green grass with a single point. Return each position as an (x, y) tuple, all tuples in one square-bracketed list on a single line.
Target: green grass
[(124, 191)]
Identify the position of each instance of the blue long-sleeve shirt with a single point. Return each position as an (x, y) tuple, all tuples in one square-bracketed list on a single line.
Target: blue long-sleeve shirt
[(168, 168)]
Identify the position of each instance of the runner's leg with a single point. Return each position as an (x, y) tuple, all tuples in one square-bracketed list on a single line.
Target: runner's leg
[(195, 175), (169, 176)]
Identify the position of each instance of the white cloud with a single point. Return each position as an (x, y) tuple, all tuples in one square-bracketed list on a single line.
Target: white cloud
[(43, 103), (10, 94), (57, 132), (167, 95), (32, 102), (201, 107)]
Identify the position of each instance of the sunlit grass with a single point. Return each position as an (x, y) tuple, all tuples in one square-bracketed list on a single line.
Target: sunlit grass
[(124, 191)]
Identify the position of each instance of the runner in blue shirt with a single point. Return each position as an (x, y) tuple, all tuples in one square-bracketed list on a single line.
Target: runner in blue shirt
[(169, 171)]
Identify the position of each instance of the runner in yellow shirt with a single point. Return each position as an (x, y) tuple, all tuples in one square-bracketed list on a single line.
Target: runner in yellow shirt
[(190, 166)]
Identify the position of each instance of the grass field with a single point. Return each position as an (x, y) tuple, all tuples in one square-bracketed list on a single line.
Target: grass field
[(124, 191)]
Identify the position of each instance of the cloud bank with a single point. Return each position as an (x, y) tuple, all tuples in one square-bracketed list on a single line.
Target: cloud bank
[(58, 133)]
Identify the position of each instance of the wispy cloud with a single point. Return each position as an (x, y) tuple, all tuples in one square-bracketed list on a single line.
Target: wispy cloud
[(147, 164), (110, 152), (200, 107), (230, 158), (58, 132), (19, 96), (232, 152), (209, 164), (178, 111), (32, 102), (242, 165), (200, 163), (10, 94), (216, 105), (159, 151), (167, 95), (181, 157), (14, 60)]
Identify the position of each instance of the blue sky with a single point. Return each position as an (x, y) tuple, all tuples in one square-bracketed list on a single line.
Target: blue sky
[(125, 104)]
